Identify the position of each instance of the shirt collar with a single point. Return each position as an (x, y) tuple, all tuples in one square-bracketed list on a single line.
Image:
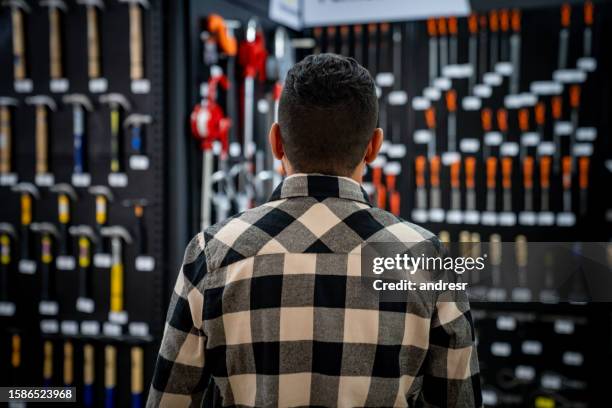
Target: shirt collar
[(320, 186)]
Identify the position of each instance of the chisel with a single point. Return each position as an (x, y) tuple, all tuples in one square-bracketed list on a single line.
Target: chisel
[(515, 52), (421, 194), (566, 12), (137, 374), (451, 107), (18, 8), (7, 233), (583, 168), (443, 39), (528, 182), (110, 375), (557, 111), (55, 40), (79, 103), (68, 364), (566, 168), (93, 37), (507, 183), (117, 235), (486, 120), (430, 119), (470, 183), (453, 42), (116, 102), (473, 50), (545, 162), (434, 178), (432, 31), (491, 183), (6, 139), (88, 375), (587, 39), (41, 103), (455, 170), (494, 41), (47, 363)]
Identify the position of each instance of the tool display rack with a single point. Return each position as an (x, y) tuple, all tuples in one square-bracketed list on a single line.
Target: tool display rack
[(531, 354), (145, 296)]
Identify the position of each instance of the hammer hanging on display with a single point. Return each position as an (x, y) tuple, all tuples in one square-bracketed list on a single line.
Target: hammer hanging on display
[(432, 31), (137, 375), (7, 233), (79, 103), (42, 102), (103, 196), (110, 375), (117, 235), (515, 51), (55, 37), (6, 142), (89, 374), (115, 102), (134, 124), (136, 38), (65, 197), (209, 125), (93, 37), (564, 33), (47, 363), (27, 192), (68, 364), (48, 233), (18, 7), (86, 238)]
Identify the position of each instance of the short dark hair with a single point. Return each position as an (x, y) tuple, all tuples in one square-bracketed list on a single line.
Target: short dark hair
[(327, 114)]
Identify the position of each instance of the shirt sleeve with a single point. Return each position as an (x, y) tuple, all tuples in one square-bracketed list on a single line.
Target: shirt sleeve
[(181, 375), (450, 372)]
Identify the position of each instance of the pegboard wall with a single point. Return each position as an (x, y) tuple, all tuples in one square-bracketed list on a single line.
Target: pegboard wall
[(46, 339)]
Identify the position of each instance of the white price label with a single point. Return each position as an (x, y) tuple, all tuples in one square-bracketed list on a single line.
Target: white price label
[(81, 179), (489, 218), (493, 138), (44, 179), (504, 68), (397, 98), (432, 94), (139, 162), (396, 151), (111, 329), (469, 145), (443, 84), (551, 381), (546, 88), (59, 85), (85, 305), (385, 79), (482, 91), (145, 263), (521, 295), (528, 218), (569, 76), (422, 136), (69, 328), (117, 180), (420, 103), (507, 219), (530, 138), (454, 217), (586, 134), (7, 308), (563, 326), (492, 79), (90, 328), (23, 85), (566, 219), (457, 71), (436, 215), (573, 358), (141, 86), (27, 266), (138, 329), (49, 326), (419, 215), (509, 149), (98, 85), (546, 218), (546, 149), (563, 128), (506, 323), (102, 260), (48, 308), (501, 349), (526, 373), (587, 64), (583, 149), (65, 263), (471, 217), (118, 317), (8, 179), (471, 103), (531, 347), (449, 158)]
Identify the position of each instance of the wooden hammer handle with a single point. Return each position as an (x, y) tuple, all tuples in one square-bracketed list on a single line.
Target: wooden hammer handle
[(93, 43), (5, 139), (136, 63), (41, 140), (19, 58), (55, 47)]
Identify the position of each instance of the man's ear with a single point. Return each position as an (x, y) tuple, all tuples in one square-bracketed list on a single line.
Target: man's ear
[(374, 145), (276, 142)]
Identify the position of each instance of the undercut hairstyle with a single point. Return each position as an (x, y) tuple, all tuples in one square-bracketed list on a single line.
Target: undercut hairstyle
[(327, 114)]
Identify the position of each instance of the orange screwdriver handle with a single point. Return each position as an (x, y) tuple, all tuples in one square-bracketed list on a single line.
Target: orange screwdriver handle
[(434, 168), (528, 172), (566, 168), (583, 166), (473, 23), (575, 96), (470, 171), (507, 172), (566, 14), (451, 100), (430, 117), (545, 162), (493, 21), (491, 172), (502, 119), (381, 196), (455, 169), (391, 181), (486, 118), (377, 176), (452, 26), (540, 113), (515, 20), (442, 30), (395, 203), (431, 27), (523, 117), (504, 20), (419, 164), (588, 13), (557, 107), (483, 22)]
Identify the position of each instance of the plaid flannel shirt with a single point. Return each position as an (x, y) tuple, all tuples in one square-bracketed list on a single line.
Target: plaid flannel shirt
[(268, 310)]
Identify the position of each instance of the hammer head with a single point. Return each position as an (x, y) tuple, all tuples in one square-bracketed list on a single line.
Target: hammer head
[(27, 188), (137, 119), (44, 228), (64, 188), (21, 4), (7, 228), (94, 3), (143, 3), (116, 99), (58, 4), (117, 231), (7, 101), (83, 231), (101, 190), (78, 99), (38, 100)]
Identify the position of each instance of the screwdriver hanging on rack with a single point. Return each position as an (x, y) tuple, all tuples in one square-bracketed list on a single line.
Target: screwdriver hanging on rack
[(583, 168), (392, 170), (523, 119), (528, 183), (507, 183), (494, 39), (443, 40), (451, 106), (432, 31), (504, 25), (491, 183), (455, 182), (486, 120), (344, 40), (545, 164), (557, 112), (377, 172), (358, 43), (470, 183), (575, 105), (473, 50), (515, 51), (419, 171), (331, 39), (453, 30), (521, 293), (587, 37), (566, 162), (496, 292), (372, 45), (564, 33), (430, 119), (434, 178), (483, 46)]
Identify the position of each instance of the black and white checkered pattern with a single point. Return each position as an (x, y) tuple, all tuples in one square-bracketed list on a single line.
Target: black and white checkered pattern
[(270, 306)]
